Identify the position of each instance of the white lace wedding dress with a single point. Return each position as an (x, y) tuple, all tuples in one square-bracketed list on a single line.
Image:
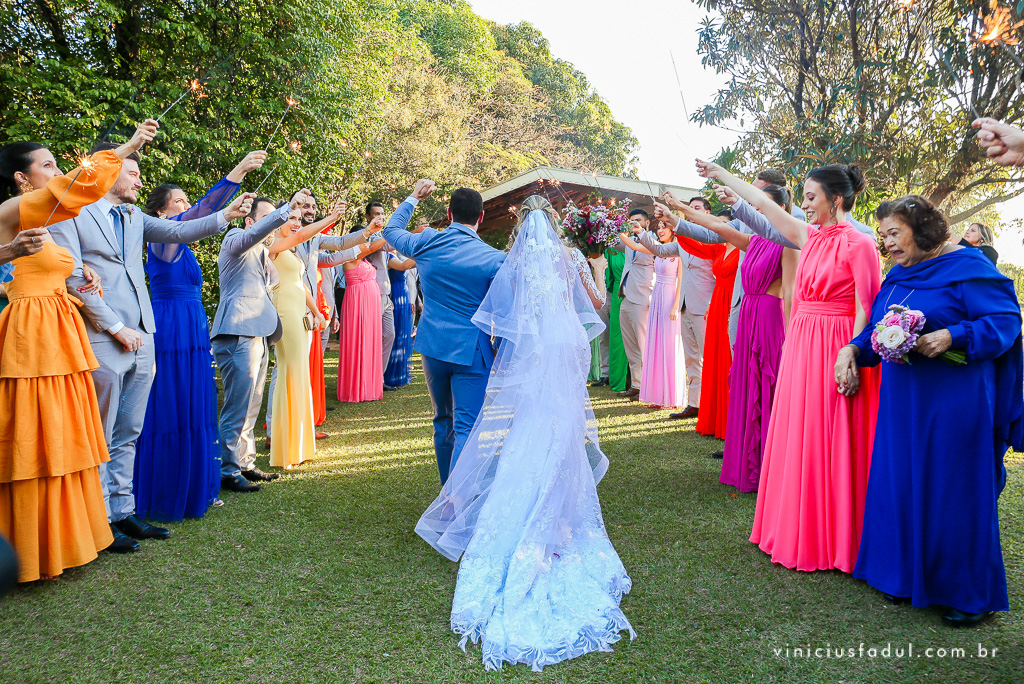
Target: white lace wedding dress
[(539, 581)]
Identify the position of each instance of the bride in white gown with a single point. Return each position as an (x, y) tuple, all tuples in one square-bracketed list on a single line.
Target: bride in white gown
[(539, 581)]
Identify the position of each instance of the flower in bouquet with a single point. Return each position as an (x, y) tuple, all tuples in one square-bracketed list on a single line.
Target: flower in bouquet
[(897, 333)]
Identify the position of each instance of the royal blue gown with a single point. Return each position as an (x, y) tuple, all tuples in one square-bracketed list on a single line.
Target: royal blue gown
[(931, 521), (397, 372), (177, 458)]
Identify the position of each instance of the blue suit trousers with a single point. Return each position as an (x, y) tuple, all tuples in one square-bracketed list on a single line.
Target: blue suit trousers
[(457, 394)]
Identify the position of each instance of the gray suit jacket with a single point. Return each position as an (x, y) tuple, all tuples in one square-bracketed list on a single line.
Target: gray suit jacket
[(698, 279), (245, 306), (125, 297), (637, 275)]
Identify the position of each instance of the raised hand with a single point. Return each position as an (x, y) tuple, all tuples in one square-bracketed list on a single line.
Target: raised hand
[(1003, 143), (663, 213), (671, 200), (251, 162), (240, 206), (143, 134), (424, 187), (339, 209), (708, 169), (300, 198), (726, 195)]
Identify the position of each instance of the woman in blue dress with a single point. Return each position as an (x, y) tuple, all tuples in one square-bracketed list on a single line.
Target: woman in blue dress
[(397, 373), (931, 521), (177, 461)]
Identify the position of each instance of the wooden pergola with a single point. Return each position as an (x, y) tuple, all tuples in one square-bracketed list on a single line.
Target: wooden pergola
[(559, 186)]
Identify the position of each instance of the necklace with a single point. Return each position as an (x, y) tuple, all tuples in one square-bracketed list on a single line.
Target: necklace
[(904, 299)]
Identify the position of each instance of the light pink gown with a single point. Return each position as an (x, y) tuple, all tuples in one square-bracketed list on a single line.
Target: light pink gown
[(810, 501), (664, 380), (360, 375)]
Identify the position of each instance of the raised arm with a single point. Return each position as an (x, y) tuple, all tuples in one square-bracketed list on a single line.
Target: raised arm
[(183, 232), (408, 244), (754, 219), (239, 242), (793, 229), (400, 264), (633, 244)]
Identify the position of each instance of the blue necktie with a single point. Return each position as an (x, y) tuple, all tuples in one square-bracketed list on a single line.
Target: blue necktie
[(118, 227)]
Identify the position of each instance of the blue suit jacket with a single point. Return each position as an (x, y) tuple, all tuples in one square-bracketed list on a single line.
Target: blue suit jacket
[(456, 268)]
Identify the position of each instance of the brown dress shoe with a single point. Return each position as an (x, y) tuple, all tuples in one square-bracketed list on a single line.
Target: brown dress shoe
[(322, 435), (690, 412), (631, 392), (266, 442)]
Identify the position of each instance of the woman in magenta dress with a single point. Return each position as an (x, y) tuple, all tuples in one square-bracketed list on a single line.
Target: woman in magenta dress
[(768, 272), (663, 383), (360, 375), (810, 503)]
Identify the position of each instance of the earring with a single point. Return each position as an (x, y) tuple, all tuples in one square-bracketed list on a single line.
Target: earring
[(25, 187)]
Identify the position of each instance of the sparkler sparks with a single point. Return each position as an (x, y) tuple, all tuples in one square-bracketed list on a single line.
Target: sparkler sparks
[(999, 27)]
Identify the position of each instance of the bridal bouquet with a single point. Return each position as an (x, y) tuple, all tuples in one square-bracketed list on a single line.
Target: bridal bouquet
[(896, 335), (596, 224)]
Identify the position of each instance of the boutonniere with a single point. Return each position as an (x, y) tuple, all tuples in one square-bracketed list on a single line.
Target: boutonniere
[(129, 209)]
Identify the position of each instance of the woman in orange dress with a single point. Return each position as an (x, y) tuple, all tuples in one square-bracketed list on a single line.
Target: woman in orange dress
[(714, 378), (316, 358), (51, 436)]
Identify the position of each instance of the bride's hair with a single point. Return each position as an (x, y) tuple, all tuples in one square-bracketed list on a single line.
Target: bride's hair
[(536, 203)]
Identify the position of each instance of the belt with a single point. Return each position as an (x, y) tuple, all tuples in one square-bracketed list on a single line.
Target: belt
[(826, 308)]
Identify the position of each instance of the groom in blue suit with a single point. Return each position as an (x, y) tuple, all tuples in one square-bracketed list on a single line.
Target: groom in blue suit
[(456, 268)]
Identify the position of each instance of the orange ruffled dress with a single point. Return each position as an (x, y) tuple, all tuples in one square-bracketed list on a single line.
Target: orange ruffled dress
[(714, 379), (51, 436)]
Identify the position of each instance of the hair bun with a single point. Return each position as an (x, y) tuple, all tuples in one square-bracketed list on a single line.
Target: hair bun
[(856, 177)]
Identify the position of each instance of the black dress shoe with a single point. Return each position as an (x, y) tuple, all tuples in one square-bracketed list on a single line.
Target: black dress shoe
[(389, 388), (136, 528), (257, 475), (958, 618), (599, 383), (689, 412), (895, 600), (717, 454), (122, 543), (631, 392), (332, 408), (237, 483)]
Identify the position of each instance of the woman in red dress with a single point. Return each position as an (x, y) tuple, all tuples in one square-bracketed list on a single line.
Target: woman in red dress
[(714, 378)]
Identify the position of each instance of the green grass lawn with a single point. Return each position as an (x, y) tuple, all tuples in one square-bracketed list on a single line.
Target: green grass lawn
[(320, 578)]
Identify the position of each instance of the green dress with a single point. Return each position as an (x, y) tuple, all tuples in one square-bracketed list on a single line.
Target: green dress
[(618, 365)]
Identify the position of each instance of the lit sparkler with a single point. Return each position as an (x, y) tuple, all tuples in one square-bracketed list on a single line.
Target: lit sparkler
[(85, 165), (291, 103), (1001, 30), (194, 87)]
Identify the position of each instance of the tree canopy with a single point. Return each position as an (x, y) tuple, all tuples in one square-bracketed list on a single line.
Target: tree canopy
[(387, 91), (890, 86)]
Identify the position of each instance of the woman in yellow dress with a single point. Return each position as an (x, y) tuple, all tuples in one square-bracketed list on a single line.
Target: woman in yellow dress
[(292, 418), (51, 436)]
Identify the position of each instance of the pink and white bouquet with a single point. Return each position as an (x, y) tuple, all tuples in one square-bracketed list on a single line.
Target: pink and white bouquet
[(896, 335)]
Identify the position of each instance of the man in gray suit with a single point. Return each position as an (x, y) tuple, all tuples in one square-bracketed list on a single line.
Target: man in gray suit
[(245, 324), (635, 289), (109, 237), (311, 252)]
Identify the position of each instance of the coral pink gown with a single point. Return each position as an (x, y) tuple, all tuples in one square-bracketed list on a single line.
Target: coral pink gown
[(810, 502), (360, 375)]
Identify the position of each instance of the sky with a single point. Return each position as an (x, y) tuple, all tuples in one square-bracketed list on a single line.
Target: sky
[(594, 36)]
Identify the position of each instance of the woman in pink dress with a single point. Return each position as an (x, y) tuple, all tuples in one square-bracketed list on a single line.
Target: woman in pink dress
[(360, 375), (663, 383), (810, 503)]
